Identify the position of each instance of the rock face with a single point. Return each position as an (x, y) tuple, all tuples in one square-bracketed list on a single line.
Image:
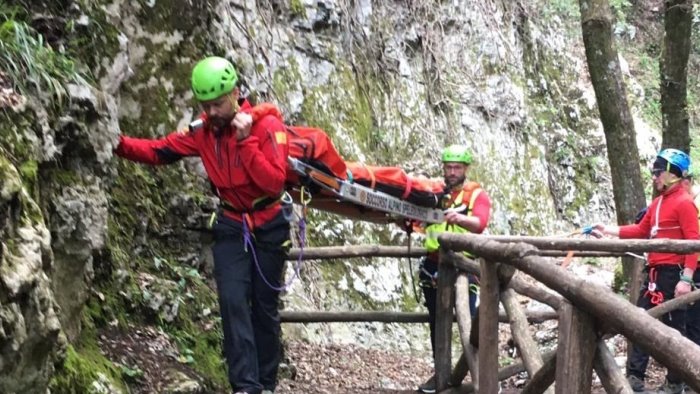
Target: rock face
[(29, 325), (392, 82)]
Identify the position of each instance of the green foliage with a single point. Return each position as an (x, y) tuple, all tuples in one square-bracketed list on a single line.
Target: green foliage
[(620, 9), (504, 361), (31, 64), (131, 373), (568, 9)]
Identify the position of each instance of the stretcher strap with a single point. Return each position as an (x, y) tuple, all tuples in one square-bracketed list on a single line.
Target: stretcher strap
[(373, 179), (407, 190)]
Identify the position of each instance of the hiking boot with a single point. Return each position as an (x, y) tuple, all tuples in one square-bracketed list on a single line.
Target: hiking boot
[(428, 387), (636, 383)]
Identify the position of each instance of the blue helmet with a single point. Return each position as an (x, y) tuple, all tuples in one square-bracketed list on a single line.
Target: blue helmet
[(676, 158)]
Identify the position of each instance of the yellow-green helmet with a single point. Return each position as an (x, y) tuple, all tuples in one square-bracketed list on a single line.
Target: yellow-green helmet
[(212, 78), (456, 154)]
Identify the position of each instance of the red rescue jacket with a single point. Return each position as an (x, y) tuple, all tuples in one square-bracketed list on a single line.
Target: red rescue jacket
[(243, 172), (677, 219)]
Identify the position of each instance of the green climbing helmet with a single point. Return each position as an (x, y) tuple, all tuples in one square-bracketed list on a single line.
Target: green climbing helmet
[(212, 78), (457, 154)]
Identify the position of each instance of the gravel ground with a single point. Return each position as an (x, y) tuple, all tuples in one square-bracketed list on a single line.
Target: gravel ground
[(349, 369)]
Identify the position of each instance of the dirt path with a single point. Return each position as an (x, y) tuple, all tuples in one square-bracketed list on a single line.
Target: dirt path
[(307, 368), (350, 369)]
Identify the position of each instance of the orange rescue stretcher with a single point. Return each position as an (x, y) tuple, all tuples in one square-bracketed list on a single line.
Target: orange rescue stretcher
[(354, 190)]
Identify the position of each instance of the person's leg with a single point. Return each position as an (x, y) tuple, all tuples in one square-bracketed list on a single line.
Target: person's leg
[(638, 358), (667, 279), (473, 293), (428, 283), (232, 274), (692, 322), (271, 255)]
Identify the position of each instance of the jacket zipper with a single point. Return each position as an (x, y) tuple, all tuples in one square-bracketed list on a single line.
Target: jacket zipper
[(217, 148)]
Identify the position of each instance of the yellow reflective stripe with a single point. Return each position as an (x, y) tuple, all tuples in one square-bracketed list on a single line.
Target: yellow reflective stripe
[(458, 200), (472, 200), (281, 137)]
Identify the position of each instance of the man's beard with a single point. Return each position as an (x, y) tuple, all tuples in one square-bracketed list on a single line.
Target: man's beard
[(219, 123), (459, 181)]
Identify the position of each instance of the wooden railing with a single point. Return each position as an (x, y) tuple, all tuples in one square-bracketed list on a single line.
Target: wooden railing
[(588, 313)]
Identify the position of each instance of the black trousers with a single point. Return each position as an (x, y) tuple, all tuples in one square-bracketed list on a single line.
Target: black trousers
[(428, 282), (692, 323), (249, 307), (667, 276)]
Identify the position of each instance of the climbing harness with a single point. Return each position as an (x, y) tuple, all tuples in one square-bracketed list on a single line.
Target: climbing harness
[(408, 227), (656, 297), (248, 238), (428, 283)]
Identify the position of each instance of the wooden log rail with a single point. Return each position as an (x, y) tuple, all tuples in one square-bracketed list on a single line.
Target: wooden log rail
[(389, 317), (359, 251), (587, 300), (600, 245)]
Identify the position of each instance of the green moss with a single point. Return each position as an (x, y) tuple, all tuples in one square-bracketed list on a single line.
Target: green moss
[(11, 183), (297, 8), (81, 367), (204, 347), (29, 170), (93, 42), (350, 110), (14, 131)]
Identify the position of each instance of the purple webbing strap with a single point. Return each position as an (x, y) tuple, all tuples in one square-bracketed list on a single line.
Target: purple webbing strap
[(247, 241)]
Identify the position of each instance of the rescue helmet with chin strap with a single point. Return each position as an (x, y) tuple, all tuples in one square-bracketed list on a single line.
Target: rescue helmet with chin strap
[(674, 161)]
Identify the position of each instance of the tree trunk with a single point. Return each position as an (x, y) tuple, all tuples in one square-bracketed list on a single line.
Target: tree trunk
[(678, 18), (620, 137)]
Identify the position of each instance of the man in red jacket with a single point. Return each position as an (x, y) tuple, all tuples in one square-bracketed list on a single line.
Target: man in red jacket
[(246, 161), (671, 215)]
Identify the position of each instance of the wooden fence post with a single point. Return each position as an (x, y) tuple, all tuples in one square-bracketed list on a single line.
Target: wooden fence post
[(543, 378), (488, 328), (443, 325), (464, 323), (520, 329), (575, 350), (612, 377)]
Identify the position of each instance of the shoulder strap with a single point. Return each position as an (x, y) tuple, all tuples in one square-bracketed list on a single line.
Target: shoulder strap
[(471, 192)]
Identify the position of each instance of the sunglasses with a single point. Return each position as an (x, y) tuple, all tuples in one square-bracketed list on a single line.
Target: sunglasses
[(656, 171)]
